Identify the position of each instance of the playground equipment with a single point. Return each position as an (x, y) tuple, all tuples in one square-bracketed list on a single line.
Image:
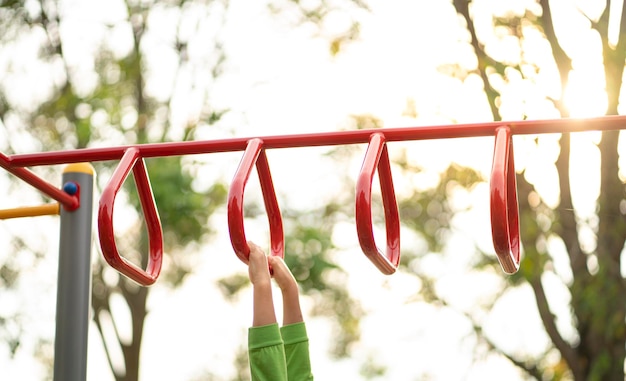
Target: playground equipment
[(74, 275), (75, 205)]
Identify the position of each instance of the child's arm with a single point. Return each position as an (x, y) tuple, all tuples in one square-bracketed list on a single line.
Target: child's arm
[(263, 304), (293, 331), (265, 345), (291, 297)]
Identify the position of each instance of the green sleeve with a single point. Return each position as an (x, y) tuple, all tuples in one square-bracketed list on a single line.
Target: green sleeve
[(266, 354), (297, 352)]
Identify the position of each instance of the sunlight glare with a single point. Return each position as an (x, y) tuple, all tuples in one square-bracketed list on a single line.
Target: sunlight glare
[(585, 97)]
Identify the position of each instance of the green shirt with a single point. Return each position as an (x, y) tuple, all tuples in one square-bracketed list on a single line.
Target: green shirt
[(279, 354)]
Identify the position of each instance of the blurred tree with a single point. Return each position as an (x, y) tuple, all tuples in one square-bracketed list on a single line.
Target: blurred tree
[(506, 42), (524, 55), (337, 21), (132, 72), (99, 90)]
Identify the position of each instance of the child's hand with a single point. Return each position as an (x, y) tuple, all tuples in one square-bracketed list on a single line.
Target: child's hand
[(282, 274), (258, 269)]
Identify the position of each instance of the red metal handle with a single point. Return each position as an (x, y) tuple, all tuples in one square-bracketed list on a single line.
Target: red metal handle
[(131, 160), (504, 208), (377, 157), (254, 153)]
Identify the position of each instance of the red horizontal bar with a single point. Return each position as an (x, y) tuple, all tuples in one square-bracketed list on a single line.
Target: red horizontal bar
[(322, 139)]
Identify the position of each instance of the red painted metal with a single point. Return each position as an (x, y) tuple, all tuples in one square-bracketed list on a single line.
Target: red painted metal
[(505, 218), (131, 160), (322, 139), (377, 157), (70, 202), (504, 207), (254, 153)]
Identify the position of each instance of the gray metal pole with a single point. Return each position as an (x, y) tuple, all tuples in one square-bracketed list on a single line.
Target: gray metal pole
[(74, 278)]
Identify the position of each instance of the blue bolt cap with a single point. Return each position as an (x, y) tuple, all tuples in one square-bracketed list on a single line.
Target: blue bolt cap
[(70, 188)]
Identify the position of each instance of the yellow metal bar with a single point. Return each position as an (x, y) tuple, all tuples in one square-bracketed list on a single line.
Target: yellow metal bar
[(29, 211)]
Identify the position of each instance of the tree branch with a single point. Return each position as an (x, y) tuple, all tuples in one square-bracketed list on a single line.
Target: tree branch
[(462, 7), (107, 352), (100, 303), (532, 270), (562, 60), (567, 228), (613, 56), (547, 317), (532, 369), (611, 227)]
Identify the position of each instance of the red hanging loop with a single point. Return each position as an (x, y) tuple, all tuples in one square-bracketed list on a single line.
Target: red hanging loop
[(254, 153), (504, 207), (131, 160), (377, 157)]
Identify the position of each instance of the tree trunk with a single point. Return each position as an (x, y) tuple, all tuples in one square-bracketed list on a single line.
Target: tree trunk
[(136, 297), (607, 336), (598, 294)]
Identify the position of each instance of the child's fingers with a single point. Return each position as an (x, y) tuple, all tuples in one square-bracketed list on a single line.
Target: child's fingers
[(254, 249), (256, 253), (277, 263), (257, 264), (281, 272)]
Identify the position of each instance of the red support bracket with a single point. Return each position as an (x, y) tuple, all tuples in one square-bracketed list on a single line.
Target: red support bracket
[(131, 160), (70, 201), (504, 208), (377, 157), (254, 153)]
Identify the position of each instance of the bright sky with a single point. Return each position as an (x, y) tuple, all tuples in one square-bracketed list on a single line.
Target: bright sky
[(282, 81)]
